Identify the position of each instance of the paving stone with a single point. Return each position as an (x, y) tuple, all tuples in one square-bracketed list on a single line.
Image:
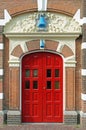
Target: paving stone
[(44, 126)]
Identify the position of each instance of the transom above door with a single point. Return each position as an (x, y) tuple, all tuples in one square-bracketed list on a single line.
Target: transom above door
[(42, 87)]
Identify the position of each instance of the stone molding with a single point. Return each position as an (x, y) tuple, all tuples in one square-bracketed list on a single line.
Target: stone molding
[(14, 63), (69, 42), (70, 64), (22, 42), (14, 112), (70, 113)]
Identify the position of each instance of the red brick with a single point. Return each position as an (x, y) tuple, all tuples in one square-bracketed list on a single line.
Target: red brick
[(17, 7), (78, 74), (70, 89), (66, 51), (14, 86), (17, 51)]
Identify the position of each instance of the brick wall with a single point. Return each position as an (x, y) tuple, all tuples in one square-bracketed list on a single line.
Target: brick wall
[(14, 88), (70, 89), (78, 74), (17, 7), (83, 7), (6, 73)]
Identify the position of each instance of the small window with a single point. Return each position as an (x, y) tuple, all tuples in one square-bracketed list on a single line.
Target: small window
[(56, 72), (48, 72), (27, 73), (35, 73), (27, 84), (48, 85), (35, 84), (57, 84)]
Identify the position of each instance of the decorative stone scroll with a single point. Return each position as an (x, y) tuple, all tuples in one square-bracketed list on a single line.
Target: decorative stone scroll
[(57, 23)]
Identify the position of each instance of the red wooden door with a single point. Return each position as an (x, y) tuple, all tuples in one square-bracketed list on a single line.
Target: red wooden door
[(42, 88)]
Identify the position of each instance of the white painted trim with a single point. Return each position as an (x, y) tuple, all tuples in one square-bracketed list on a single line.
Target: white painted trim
[(42, 5), (82, 114), (83, 45), (1, 46), (83, 20), (1, 71), (59, 47), (83, 72), (6, 19), (2, 22), (77, 16), (83, 97), (1, 95)]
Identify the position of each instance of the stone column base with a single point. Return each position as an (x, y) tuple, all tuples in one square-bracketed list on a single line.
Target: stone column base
[(1, 117), (83, 119), (13, 117), (70, 117)]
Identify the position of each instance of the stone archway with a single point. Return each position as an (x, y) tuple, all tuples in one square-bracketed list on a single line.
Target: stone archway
[(24, 38)]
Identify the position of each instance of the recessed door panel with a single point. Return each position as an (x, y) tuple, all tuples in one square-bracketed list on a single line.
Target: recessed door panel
[(42, 88)]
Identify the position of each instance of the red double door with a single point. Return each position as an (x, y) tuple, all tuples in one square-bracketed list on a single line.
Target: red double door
[(42, 88)]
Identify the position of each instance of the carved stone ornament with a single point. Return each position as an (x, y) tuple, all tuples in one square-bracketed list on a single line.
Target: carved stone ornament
[(57, 23)]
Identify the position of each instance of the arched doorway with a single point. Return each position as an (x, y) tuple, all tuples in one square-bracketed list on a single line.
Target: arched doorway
[(42, 87)]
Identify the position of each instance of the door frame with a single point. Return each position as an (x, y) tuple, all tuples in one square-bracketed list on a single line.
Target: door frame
[(53, 52)]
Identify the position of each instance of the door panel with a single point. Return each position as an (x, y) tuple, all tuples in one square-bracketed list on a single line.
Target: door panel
[(42, 88), (31, 90)]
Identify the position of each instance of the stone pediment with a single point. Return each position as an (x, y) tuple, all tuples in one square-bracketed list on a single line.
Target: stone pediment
[(57, 23)]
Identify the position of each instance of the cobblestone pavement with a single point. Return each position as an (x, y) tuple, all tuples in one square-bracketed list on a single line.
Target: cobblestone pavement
[(40, 127)]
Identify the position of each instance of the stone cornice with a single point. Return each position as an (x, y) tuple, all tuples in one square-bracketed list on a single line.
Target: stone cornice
[(43, 35)]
